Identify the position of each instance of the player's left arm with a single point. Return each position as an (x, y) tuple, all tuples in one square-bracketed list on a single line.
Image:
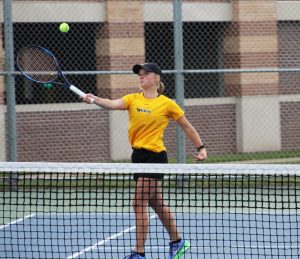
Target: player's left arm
[(193, 135)]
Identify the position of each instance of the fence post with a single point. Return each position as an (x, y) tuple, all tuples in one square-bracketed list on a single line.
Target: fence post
[(10, 80), (179, 79)]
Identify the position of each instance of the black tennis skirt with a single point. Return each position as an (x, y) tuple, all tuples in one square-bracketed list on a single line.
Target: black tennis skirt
[(146, 156)]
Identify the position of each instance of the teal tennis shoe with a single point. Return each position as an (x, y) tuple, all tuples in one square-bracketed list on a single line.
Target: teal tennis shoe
[(178, 249)]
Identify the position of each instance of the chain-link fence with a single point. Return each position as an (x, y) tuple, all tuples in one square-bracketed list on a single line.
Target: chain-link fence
[(239, 61)]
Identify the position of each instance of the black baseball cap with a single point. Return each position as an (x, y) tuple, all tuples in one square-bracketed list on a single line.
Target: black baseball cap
[(150, 67)]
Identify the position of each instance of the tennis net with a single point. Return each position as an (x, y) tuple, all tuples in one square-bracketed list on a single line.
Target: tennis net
[(82, 210)]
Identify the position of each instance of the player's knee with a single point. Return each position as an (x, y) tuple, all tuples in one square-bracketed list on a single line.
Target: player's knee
[(156, 204)]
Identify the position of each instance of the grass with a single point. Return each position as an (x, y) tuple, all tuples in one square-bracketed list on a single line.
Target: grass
[(258, 156), (242, 157), (68, 185)]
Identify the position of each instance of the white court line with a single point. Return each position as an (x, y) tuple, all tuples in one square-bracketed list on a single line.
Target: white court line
[(92, 247), (122, 248), (16, 221)]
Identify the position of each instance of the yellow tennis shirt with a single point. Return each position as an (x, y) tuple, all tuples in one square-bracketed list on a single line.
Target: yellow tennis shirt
[(148, 118)]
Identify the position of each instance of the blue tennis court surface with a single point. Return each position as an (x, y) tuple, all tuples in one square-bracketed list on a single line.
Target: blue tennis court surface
[(217, 235)]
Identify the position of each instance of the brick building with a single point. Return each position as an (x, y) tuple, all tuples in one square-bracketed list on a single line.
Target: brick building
[(243, 112)]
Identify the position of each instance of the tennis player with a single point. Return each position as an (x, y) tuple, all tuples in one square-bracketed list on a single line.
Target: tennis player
[(149, 114)]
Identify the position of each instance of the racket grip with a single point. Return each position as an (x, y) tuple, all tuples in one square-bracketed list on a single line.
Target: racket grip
[(77, 91)]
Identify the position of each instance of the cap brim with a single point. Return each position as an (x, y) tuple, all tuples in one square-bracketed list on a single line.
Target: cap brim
[(136, 68)]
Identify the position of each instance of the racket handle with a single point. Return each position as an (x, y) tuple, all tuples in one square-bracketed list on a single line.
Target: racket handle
[(77, 91)]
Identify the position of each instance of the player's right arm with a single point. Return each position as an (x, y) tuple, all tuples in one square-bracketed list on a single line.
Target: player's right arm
[(117, 104)]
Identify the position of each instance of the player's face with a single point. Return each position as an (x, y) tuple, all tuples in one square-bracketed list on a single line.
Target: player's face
[(147, 79)]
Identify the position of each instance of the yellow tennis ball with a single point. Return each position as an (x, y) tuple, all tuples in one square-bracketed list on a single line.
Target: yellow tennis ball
[(64, 27)]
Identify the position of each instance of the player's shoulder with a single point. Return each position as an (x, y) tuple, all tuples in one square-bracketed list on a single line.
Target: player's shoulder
[(132, 96), (166, 99), (170, 103)]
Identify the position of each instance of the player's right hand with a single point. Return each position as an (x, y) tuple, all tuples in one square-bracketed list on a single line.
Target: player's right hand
[(89, 98)]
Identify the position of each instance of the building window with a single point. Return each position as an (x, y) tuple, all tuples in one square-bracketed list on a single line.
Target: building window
[(202, 49), (73, 55)]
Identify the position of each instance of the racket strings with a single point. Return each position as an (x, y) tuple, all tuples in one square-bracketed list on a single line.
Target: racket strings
[(37, 64)]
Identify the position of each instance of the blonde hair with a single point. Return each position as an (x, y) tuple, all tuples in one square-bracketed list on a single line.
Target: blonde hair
[(160, 88)]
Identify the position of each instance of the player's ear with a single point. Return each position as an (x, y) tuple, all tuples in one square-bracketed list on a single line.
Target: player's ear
[(157, 78)]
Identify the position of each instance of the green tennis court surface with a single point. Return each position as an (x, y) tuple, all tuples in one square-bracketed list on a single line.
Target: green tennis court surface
[(53, 210)]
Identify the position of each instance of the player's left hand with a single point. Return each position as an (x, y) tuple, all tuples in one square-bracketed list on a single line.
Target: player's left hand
[(202, 155)]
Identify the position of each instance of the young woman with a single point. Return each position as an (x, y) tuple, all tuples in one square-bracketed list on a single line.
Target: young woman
[(149, 114)]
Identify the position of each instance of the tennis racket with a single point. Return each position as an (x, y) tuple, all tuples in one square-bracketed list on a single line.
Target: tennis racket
[(39, 65)]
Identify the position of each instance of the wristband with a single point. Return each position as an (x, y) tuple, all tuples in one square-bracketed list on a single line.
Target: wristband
[(200, 147)]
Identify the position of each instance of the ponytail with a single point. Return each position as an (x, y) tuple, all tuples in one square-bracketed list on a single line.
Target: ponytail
[(160, 88)]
